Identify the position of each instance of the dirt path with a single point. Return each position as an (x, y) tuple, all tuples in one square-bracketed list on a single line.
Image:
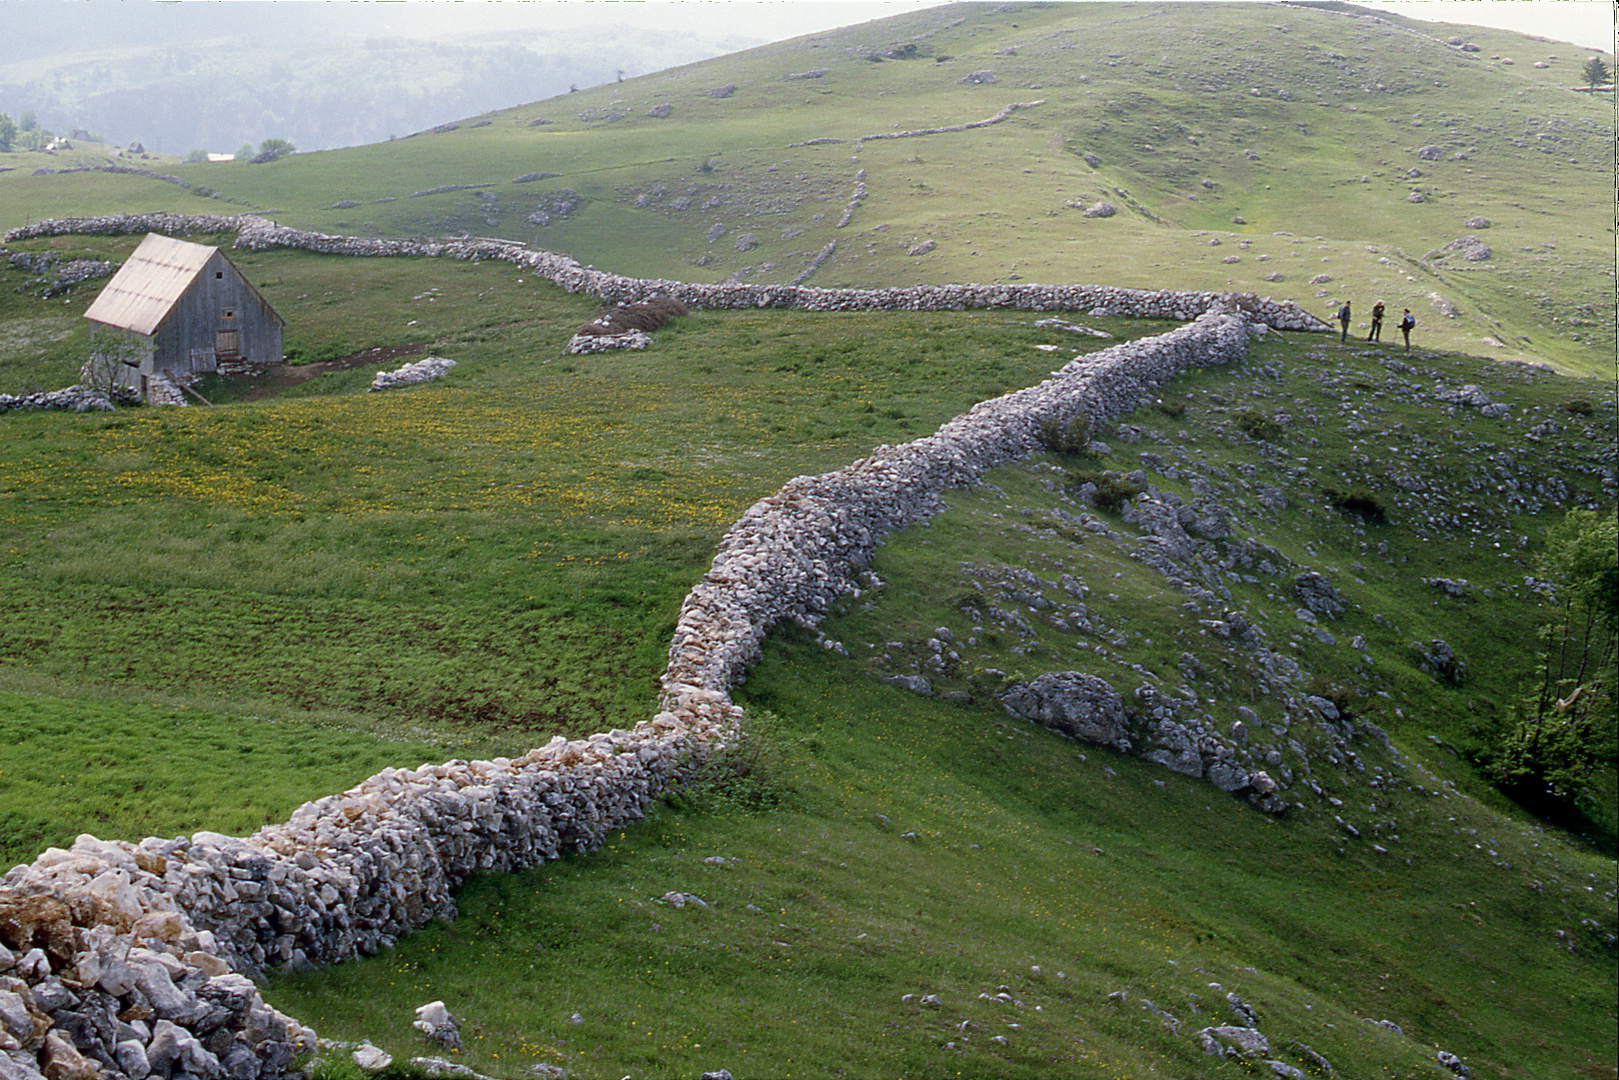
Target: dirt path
[(279, 378)]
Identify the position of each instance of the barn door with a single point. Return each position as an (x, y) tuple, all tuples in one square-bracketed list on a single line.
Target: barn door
[(227, 338)]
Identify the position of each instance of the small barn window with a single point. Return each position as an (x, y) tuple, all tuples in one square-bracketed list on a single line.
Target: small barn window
[(219, 274), (228, 313)]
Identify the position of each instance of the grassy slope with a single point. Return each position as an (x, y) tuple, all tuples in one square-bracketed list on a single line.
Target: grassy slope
[(1165, 97), (461, 569), (349, 554)]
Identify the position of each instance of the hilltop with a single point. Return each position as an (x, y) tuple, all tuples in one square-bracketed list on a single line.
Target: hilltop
[(1351, 156)]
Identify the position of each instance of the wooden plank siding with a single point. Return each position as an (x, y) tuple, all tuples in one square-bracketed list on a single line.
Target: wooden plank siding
[(218, 301)]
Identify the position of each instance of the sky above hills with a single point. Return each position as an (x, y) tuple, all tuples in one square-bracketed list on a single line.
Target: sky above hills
[(52, 26)]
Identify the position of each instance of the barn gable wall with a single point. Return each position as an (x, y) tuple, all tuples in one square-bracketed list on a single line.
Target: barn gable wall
[(218, 299)]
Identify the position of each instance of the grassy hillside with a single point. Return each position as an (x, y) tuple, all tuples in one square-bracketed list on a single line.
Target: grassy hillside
[(276, 595), (1246, 146)]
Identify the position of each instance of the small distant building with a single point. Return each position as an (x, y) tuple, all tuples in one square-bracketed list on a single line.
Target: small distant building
[(176, 310)]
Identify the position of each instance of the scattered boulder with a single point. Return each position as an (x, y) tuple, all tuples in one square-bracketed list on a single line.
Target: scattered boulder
[(372, 1058), (1075, 703), (1238, 1041), (1102, 209), (1454, 1064), (1316, 593), (1439, 660), (436, 1024), (979, 78), (1456, 587)]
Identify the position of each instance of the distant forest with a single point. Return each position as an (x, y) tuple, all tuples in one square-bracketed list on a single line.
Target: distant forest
[(316, 89)]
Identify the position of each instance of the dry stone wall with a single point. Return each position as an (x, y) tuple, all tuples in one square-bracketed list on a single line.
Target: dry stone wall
[(122, 959), (256, 233)]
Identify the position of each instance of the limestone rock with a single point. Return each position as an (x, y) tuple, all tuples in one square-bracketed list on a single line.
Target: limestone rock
[(1243, 1041), (1075, 703), (1316, 593)]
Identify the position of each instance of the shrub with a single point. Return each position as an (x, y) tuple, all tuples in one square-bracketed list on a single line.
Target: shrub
[(1256, 425), (748, 774), (1112, 489), (1578, 407), (1064, 436), (1358, 501)]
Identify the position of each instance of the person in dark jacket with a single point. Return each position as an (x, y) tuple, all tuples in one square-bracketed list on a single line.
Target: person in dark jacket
[(1377, 323), (1343, 321), (1407, 321)]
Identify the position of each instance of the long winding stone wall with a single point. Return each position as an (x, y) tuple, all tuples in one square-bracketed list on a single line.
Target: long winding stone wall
[(122, 959), (257, 234)]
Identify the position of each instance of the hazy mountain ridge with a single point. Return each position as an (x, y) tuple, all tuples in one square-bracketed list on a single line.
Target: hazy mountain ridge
[(322, 89)]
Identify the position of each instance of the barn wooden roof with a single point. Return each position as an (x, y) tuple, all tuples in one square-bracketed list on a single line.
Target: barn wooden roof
[(140, 295)]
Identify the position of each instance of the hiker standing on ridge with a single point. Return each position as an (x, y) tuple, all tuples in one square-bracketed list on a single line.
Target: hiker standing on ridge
[(1343, 321), (1407, 321), (1377, 323)]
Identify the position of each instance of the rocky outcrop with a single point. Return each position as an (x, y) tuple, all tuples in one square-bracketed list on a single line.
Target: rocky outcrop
[(1080, 706)]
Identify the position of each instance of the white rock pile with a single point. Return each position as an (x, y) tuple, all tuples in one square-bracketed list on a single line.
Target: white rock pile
[(417, 371), (76, 398)]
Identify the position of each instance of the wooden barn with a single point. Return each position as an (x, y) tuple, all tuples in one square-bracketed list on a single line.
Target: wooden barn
[(175, 310)]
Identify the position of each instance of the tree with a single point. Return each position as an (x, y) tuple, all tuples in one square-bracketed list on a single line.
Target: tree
[(1566, 728), (279, 147), (8, 132), (244, 151), (197, 156), (110, 359), (1595, 72), (27, 121)]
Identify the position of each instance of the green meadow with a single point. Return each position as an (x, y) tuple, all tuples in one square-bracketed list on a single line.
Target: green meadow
[(210, 615), (214, 614)]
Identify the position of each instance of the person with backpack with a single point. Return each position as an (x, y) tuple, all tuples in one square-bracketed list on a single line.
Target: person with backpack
[(1377, 323), (1407, 321), (1343, 321)]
